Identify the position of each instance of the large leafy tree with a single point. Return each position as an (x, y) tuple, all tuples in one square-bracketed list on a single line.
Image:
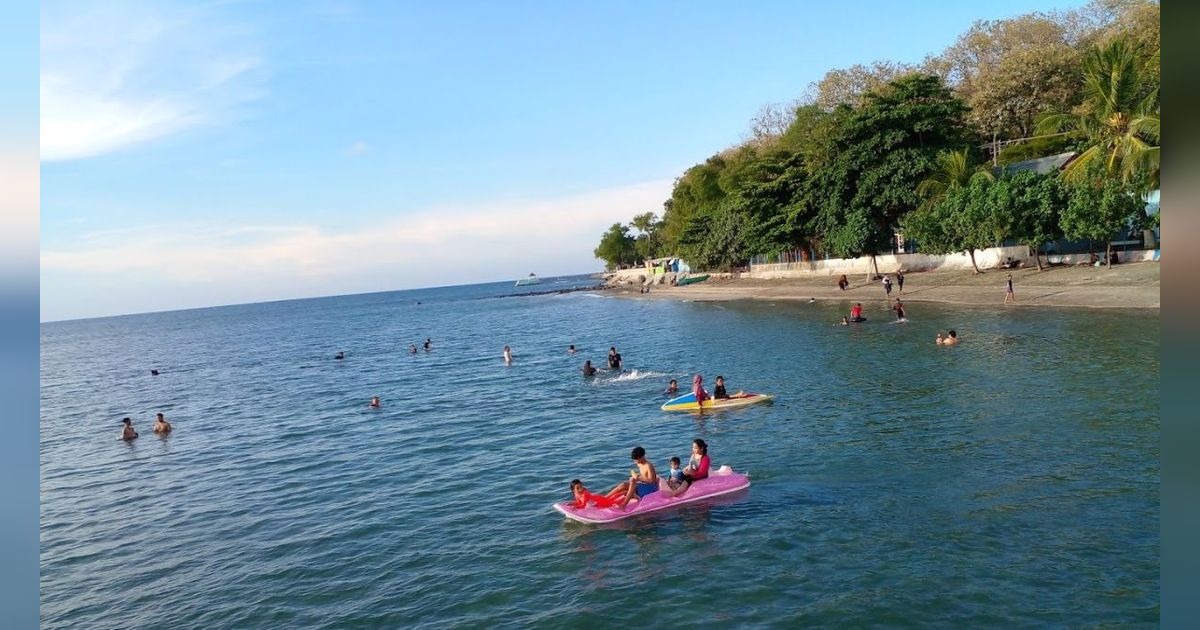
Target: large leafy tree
[(1098, 207), (648, 241), (955, 169), (877, 155), (616, 247), (1031, 209), (966, 219), (1118, 121)]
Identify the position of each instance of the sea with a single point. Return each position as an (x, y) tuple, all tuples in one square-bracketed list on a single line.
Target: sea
[(1009, 481)]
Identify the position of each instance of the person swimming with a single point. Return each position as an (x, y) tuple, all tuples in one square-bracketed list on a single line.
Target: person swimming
[(161, 426), (374, 402), (508, 355), (428, 344), (588, 369), (571, 349), (153, 372), (845, 322), (940, 339), (672, 387), (412, 348), (614, 358), (951, 339), (340, 355)]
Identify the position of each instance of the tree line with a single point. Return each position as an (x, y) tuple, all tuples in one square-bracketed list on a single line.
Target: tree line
[(869, 152)]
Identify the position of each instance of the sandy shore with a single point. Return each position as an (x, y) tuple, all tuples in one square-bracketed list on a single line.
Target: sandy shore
[(1132, 285)]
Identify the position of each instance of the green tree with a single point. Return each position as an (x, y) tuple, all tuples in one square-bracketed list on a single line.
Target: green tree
[(1119, 119), (954, 170), (1098, 207), (647, 242), (1032, 210), (616, 247), (965, 220), (715, 240), (876, 157)]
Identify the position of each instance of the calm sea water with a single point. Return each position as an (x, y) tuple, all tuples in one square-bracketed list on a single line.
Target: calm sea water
[(1012, 480)]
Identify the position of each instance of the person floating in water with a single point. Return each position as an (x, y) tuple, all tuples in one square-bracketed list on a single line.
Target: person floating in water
[(153, 372), (428, 344), (845, 322), (571, 349), (951, 339), (940, 338), (127, 432), (614, 358), (374, 402), (412, 348), (340, 355), (588, 368), (161, 426), (899, 308), (856, 313), (508, 355), (672, 387)]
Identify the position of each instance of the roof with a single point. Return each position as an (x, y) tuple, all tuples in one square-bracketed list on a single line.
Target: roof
[(1042, 165)]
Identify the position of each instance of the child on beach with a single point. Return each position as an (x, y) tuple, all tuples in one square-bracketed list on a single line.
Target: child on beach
[(675, 476)]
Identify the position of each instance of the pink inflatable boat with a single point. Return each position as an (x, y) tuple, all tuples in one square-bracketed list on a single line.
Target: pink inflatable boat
[(722, 481)]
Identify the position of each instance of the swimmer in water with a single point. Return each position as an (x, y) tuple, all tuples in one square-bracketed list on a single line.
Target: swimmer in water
[(507, 355), (614, 358), (127, 432), (428, 344), (951, 339), (374, 402), (571, 349), (412, 348), (940, 339), (161, 426), (588, 369), (340, 355), (672, 387), (845, 322), (856, 312), (153, 372), (899, 308)]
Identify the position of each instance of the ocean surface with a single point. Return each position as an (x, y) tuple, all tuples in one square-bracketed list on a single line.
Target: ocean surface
[(1012, 480)]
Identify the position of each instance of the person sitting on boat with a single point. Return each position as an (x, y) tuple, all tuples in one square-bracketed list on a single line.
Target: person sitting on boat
[(856, 312), (642, 482), (672, 387), (583, 497), (719, 389), (675, 475), (697, 467), (588, 369), (698, 390)]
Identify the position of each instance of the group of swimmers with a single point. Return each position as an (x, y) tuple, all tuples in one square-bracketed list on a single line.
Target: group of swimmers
[(614, 361), (161, 427), (644, 480)]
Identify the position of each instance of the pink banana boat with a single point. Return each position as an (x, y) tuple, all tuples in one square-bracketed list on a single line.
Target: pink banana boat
[(722, 481)]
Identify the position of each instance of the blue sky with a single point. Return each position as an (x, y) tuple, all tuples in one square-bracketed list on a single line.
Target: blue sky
[(197, 154)]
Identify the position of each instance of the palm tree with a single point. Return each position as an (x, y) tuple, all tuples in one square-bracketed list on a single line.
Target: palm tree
[(954, 171), (1119, 116)]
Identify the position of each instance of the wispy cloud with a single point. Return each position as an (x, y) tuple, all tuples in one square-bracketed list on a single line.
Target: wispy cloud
[(358, 148), (118, 74), (218, 264)]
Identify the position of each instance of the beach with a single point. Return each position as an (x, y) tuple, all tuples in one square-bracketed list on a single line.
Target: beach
[(1132, 285)]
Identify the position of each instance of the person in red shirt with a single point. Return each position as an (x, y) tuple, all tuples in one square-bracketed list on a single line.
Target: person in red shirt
[(696, 469), (856, 312), (698, 390), (583, 497)]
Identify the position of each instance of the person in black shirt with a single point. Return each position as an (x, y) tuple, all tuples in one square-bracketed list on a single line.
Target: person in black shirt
[(614, 358), (719, 389), (588, 370)]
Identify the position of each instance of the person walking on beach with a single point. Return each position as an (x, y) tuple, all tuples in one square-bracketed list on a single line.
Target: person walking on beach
[(127, 432), (1009, 296), (900, 281), (161, 426), (887, 285)]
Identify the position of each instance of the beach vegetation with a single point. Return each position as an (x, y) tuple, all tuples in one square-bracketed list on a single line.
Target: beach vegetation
[(1100, 206), (617, 247)]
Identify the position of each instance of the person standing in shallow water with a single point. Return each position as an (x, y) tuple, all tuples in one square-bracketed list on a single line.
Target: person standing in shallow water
[(887, 285), (588, 368), (899, 308), (127, 432), (507, 355), (1009, 296), (614, 358), (161, 426)]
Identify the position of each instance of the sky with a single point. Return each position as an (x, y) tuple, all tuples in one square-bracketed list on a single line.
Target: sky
[(206, 153)]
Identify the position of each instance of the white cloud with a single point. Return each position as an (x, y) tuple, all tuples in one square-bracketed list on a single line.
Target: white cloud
[(119, 74), (358, 148), (212, 264)]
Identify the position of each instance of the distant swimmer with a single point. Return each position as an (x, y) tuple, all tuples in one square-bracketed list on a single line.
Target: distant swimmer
[(161, 426), (127, 432), (507, 355), (672, 387), (940, 339), (899, 308), (845, 322), (614, 358), (812, 300), (856, 313), (951, 339), (428, 344), (374, 402), (571, 349), (153, 372), (588, 369), (412, 348), (340, 355)]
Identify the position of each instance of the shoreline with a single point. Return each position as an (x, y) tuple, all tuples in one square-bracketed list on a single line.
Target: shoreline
[(1128, 285)]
